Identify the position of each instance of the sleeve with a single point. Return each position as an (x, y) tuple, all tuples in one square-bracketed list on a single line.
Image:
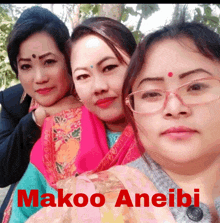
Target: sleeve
[(32, 180), (17, 138)]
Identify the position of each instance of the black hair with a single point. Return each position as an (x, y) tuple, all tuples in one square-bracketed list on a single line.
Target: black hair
[(206, 41), (114, 33), (33, 20)]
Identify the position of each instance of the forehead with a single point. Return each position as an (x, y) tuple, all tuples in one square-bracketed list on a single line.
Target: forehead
[(174, 56), (89, 41), (88, 45), (38, 43), (168, 55)]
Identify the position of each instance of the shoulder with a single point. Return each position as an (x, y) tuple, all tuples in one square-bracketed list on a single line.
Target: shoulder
[(10, 100), (11, 95)]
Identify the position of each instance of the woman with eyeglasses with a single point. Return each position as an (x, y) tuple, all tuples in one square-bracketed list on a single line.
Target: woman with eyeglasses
[(171, 97)]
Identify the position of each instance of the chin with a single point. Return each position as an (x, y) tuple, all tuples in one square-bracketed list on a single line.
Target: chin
[(114, 119), (46, 103)]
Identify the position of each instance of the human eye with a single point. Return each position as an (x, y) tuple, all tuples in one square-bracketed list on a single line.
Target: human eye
[(109, 67), (25, 66), (151, 95), (82, 77), (197, 87), (50, 61)]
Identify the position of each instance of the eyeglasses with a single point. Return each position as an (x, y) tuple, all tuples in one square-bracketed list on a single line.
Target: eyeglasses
[(197, 92)]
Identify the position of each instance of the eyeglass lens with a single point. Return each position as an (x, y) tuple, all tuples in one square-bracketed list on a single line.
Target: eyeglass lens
[(196, 92)]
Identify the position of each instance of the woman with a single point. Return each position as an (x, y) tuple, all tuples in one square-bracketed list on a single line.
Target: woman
[(33, 37), (15, 146), (172, 92), (79, 140)]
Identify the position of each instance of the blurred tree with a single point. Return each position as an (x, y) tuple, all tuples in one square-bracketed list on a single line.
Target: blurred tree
[(203, 13), (6, 73), (70, 13), (120, 12), (113, 11), (206, 14), (179, 13)]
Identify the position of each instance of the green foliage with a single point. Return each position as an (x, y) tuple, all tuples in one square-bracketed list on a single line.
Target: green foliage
[(6, 73), (143, 11), (204, 14), (137, 35), (127, 11), (89, 10), (147, 9)]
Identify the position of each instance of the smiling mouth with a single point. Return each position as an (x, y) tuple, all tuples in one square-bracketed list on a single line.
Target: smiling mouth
[(106, 102)]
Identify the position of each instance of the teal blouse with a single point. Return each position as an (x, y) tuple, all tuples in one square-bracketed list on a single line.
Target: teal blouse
[(112, 137)]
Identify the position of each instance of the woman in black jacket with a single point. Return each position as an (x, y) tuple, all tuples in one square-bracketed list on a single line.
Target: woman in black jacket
[(39, 73)]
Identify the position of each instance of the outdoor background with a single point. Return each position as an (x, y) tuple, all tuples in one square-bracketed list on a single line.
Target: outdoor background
[(139, 18)]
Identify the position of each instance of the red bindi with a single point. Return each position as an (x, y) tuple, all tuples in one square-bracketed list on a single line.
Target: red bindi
[(170, 74)]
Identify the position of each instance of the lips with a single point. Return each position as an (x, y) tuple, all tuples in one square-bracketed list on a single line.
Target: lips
[(44, 90), (105, 102), (180, 132)]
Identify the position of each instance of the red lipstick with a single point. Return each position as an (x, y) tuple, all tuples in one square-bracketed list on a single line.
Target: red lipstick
[(105, 102), (44, 90), (180, 132)]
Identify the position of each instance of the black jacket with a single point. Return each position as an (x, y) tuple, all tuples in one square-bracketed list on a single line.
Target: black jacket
[(18, 134)]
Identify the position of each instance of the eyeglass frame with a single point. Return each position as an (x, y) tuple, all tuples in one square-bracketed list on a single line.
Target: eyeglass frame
[(127, 101)]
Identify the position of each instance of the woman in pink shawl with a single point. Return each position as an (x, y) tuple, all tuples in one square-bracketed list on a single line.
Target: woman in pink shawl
[(92, 137)]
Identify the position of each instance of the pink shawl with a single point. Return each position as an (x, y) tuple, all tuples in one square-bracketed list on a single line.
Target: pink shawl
[(93, 143), (94, 153)]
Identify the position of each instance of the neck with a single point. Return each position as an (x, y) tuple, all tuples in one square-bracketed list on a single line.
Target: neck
[(116, 126)]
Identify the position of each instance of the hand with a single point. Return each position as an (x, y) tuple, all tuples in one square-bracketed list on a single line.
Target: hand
[(65, 103)]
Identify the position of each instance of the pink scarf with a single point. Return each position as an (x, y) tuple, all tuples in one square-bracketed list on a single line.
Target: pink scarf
[(93, 143), (94, 153)]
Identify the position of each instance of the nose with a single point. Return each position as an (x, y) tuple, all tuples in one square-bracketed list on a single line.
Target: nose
[(40, 76), (100, 85), (175, 108)]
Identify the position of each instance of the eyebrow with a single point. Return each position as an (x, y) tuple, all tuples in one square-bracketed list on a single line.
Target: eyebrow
[(151, 79), (24, 59), (104, 59), (181, 76), (45, 55), (98, 64), (40, 57)]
